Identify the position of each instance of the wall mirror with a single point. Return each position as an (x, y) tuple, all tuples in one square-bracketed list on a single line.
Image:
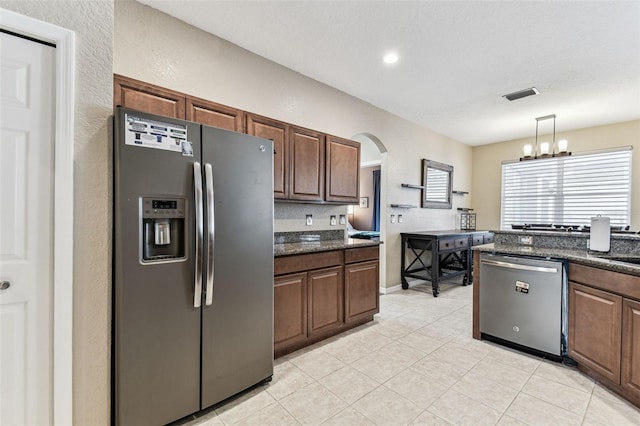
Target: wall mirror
[(437, 180)]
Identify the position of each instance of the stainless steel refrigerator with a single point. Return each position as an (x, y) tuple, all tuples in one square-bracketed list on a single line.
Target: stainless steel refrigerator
[(192, 266)]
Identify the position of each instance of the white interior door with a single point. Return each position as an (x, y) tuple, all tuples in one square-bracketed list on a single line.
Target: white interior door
[(26, 230)]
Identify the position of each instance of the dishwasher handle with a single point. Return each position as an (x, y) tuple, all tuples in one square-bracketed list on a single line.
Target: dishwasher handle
[(508, 265)]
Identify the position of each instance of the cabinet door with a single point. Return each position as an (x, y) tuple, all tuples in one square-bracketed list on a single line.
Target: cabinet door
[(325, 300), (631, 347), (145, 97), (289, 310), (307, 165), (278, 133), (595, 320), (213, 114), (343, 170), (361, 289)]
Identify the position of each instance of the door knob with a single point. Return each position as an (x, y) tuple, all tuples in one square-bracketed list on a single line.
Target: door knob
[(4, 285)]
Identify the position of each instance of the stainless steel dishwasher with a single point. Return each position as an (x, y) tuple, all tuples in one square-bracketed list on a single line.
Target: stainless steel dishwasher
[(521, 302)]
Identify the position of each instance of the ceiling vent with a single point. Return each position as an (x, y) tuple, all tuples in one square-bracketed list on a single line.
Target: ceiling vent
[(521, 94)]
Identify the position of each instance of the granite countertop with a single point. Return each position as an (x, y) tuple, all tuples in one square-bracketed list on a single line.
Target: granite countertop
[(584, 257), (287, 249), (626, 235)]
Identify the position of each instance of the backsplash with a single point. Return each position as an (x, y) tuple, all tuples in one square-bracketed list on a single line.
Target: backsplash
[(308, 236), (620, 244), (291, 217)]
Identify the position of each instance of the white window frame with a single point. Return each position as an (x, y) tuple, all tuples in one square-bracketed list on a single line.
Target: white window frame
[(568, 190)]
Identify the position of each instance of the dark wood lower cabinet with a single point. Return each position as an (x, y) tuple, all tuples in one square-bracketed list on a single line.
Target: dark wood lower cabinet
[(290, 310), (594, 329), (361, 290), (318, 295), (325, 300), (630, 373), (604, 327)]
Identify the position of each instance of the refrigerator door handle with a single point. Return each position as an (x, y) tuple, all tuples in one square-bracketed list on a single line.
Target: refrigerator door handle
[(211, 229), (197, 184)]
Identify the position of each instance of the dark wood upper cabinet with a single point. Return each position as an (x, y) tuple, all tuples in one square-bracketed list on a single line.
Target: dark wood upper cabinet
[(343, 170), (307, 159), (213, 114), (308, 166), (145, 97), (278, 132)]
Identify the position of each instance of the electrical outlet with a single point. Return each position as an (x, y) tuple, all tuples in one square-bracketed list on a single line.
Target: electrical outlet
[(333, 220), (309, 220), (393, 218), (527, 240), (343, 219), (400, 220)]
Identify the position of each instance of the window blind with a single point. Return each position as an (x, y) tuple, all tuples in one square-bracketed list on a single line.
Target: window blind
[(568, 190)]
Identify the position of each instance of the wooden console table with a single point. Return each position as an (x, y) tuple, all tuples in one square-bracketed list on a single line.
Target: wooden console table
[(439, 255)]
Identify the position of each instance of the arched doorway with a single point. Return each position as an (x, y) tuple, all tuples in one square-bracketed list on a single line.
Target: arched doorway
[(374, 155)]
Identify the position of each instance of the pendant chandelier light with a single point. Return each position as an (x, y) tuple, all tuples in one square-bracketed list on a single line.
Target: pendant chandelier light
[(542, 150)]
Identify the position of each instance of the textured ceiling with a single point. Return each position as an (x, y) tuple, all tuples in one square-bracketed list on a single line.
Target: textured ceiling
[(457, 58)]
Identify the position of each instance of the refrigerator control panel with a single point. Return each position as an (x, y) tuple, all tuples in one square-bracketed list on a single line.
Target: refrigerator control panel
[(157, 208)]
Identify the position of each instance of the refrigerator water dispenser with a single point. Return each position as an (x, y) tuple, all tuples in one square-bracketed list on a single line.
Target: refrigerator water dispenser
[(162, 229)]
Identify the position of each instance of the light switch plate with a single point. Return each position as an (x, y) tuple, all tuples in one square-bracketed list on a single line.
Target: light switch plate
[(309, 220), (333, 220), (400, 219), (343, 219), (393, 218)]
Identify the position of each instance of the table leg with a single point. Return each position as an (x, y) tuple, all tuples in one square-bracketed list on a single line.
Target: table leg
[(435, 267)]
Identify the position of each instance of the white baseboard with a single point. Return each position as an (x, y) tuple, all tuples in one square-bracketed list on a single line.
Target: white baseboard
[(387, 290)]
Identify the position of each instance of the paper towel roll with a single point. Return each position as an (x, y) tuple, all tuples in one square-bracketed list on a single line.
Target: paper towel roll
[(600, 234)]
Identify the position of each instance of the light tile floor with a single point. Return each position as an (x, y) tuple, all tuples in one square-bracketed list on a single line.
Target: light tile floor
[(416, 364)]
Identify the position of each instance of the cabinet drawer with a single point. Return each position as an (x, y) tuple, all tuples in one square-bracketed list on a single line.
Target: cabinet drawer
[(361, 254), (488, 238), (477, 240), (447, 244), (306, 262), (616, 282), (454, 243)]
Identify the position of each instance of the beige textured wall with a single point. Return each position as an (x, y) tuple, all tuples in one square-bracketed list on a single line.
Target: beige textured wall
[(156, 48), (92, 21), (487, 168)]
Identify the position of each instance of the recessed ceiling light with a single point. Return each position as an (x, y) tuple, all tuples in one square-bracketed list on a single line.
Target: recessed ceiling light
[(390, 58)]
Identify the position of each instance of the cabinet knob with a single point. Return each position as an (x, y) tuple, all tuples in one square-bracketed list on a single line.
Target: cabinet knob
[(4, 285)]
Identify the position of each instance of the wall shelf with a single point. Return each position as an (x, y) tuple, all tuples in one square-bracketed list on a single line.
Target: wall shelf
[(410, 185), (460, 192), (404, 206), (464, 209)]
